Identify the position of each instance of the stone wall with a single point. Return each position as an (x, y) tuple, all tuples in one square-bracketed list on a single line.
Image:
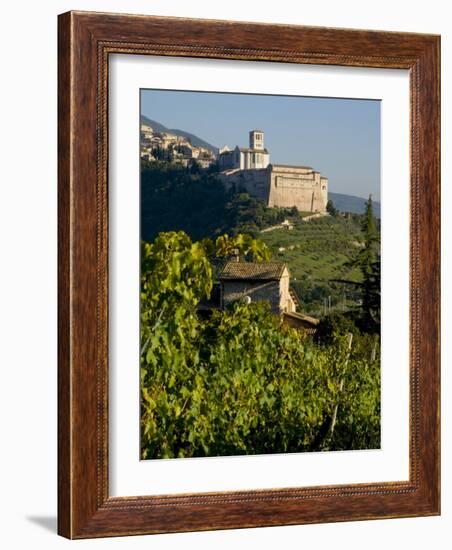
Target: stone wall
[(256, 182), (275, 292), (258, 291), (298, 186), (285, 300), (282, 186)]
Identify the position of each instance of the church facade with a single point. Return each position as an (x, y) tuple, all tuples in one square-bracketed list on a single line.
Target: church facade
[(278, 185), (245, 158)]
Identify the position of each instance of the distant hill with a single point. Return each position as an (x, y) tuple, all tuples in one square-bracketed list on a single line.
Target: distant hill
[(350, 203), (194, 140)]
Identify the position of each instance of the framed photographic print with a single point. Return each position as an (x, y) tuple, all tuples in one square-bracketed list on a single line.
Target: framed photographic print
[(248, 275)]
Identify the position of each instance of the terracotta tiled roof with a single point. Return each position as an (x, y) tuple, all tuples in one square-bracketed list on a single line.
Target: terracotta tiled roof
[(265, 271)]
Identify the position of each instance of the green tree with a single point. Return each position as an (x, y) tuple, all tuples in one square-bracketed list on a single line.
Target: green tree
[(244, 245), (294, 212), (194, 167), (157, 152), (369, 264), (330, 208), (333, 324), (173, 198), (175, 275)]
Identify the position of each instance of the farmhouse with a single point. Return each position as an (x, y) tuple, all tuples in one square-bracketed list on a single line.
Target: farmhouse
[(263, 281), (255, 282), (278, 185)]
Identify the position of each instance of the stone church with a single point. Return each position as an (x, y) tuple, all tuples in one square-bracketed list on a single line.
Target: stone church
[(278, 185), (245, 158)]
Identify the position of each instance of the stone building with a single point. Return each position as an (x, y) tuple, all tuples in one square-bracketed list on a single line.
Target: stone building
[(245, 158), (262, 282), (172, 147), (256, 282), (278, 185)]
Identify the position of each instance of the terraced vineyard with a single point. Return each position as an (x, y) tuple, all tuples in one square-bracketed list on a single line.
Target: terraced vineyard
[(317, 253)]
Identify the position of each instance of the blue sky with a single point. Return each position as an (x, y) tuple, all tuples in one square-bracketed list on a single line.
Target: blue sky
[(338, 137)]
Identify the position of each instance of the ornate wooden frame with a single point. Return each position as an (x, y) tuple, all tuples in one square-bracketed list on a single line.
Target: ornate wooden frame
[(85, 42)]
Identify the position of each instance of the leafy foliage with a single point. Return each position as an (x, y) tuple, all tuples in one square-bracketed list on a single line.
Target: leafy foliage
[(177, 198), (240, 382), (243, 245), (331, 209), (195, 201), (333, 324)]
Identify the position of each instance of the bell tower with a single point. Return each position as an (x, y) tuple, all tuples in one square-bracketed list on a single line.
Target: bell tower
[(257, 139)]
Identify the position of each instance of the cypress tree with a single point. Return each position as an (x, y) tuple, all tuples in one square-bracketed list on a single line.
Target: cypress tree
[(369, 263)]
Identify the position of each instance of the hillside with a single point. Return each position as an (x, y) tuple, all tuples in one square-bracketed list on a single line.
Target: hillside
[(194, 140), (317, 252), (350, 203)]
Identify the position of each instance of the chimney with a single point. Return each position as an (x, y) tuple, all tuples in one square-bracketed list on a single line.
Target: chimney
[(235, 257)]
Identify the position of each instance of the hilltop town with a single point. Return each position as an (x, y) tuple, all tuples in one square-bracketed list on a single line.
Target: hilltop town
[(156, 145), (243, 168)]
